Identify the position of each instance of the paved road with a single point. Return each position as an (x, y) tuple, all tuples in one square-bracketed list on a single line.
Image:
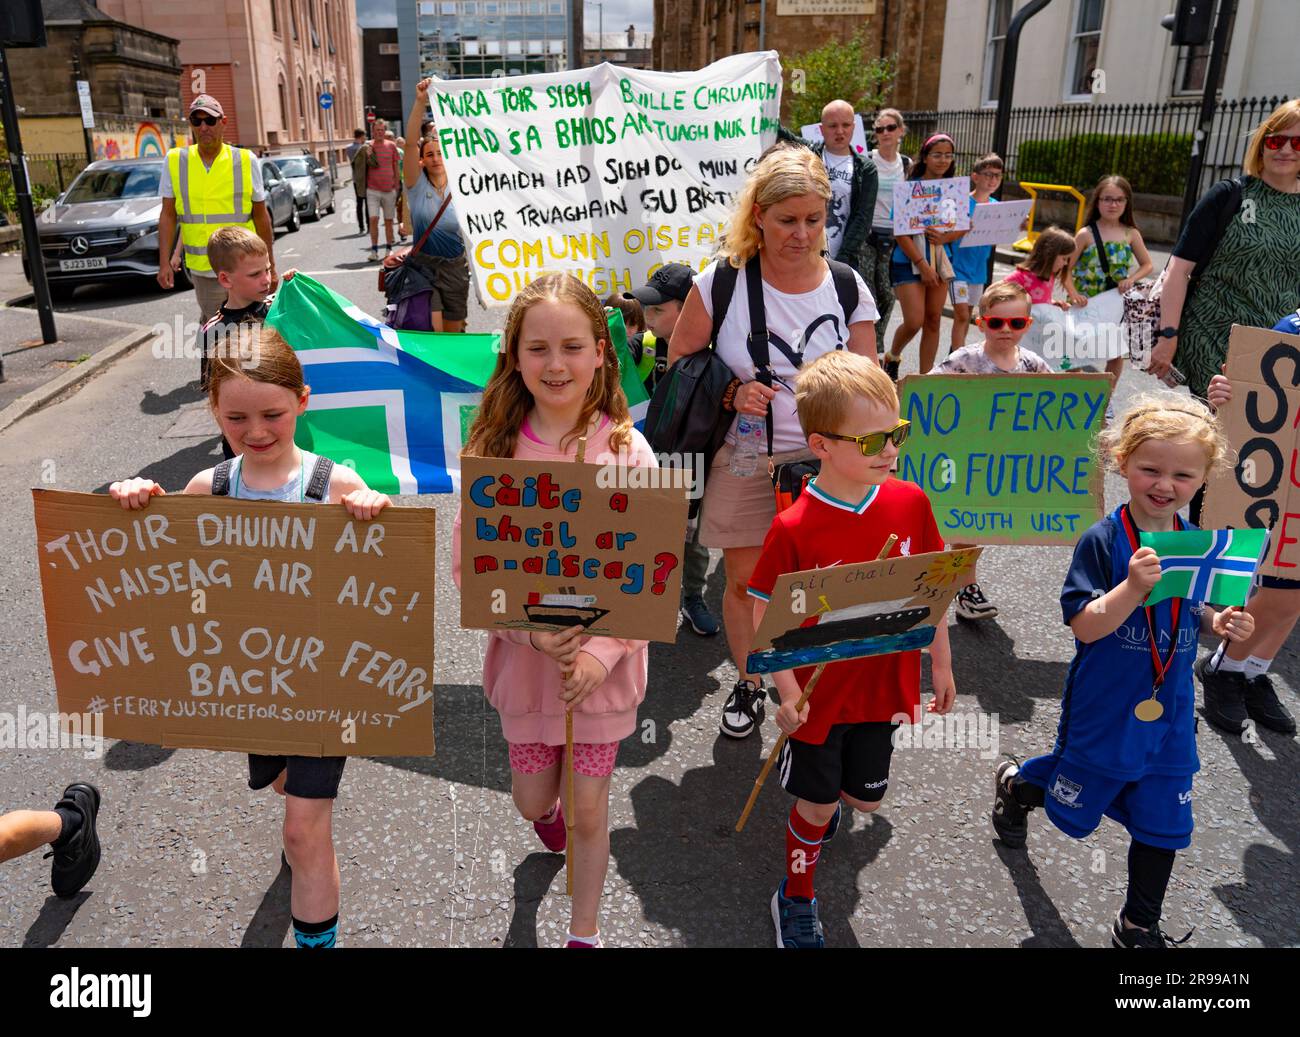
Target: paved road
[(431, 850)]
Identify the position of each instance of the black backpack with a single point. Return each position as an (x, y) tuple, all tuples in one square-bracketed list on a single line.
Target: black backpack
[(685, 418)]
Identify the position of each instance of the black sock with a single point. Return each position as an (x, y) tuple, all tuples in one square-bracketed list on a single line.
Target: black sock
[(1149, 868), (71, 823), (1026, 793)]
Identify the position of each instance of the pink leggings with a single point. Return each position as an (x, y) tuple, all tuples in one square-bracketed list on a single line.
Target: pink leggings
[(592, 759)]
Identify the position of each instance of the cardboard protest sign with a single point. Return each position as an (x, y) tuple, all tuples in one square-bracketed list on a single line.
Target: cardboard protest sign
[(548, 546), (1262, 422), (1082, 336), (858, 142), (604, 172), (252, 626), (851, 611), (922, 204), (996, 224), (1006, 459)]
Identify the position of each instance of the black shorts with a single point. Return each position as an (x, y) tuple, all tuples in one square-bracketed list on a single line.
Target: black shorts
[(854, 759), (309, 777)]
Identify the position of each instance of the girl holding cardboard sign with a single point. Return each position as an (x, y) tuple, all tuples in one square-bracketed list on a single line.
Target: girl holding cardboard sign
[(555, 388), (257, 401)]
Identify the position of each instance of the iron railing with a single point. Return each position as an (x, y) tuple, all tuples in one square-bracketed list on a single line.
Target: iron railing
[(1148, 143)]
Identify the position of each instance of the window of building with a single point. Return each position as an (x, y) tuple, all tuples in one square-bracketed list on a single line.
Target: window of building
[(999, 20), (1194, 62), (1084, 47), (471, 47), (284, 103), (293, 19), (302, 112), (275, 16), (492, 47), (556, 8), (555, 46), (514, 46)]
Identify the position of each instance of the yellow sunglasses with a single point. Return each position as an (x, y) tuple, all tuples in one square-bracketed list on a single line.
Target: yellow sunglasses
[(874, 442)]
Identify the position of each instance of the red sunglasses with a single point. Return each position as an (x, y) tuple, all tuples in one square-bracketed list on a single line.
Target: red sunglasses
[(996, 323), (1274, 141)]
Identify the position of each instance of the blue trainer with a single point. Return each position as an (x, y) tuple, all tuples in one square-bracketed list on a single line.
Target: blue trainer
[(797, 924), (697, 614)]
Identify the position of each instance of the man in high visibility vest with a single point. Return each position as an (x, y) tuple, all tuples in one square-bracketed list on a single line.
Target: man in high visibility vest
[(210, 185)]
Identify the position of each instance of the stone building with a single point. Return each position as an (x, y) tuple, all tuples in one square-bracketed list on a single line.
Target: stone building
[(134, 77), (689, 34)]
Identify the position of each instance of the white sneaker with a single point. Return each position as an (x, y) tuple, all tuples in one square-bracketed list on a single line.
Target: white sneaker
[(972, 604)]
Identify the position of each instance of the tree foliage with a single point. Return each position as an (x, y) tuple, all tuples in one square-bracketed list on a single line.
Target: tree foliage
[(837, 70)]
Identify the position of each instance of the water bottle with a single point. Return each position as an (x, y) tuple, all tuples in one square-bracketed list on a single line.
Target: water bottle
[(751, 441)]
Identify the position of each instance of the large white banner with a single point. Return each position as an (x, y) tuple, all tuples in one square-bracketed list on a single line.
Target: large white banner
[(606, 172)]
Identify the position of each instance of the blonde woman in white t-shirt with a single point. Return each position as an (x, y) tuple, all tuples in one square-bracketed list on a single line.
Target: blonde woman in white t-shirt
[(781, 214)]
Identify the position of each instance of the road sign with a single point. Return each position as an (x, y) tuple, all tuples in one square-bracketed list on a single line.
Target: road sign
[(326, 100), (87, 113), (370, 116)]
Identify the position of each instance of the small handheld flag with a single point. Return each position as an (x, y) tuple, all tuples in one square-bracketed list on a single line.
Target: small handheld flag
[(1214, 565)]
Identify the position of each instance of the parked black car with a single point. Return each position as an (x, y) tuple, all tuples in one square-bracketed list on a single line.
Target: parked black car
[(105, 225), (312, 190)]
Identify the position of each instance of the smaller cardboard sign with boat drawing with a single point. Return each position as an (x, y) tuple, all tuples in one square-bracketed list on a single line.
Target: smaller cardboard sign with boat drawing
[(551, 545), (850, 611)]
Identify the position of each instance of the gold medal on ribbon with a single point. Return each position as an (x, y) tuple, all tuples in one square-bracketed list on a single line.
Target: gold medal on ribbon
[(1149, 710)]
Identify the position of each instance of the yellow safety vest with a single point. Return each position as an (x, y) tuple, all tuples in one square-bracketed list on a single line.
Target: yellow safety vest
[(208, 199)]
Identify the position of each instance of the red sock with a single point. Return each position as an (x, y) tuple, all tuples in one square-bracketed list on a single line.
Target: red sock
[(803, 845)]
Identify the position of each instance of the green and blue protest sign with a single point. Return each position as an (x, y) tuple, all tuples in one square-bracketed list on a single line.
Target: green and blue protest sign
[(1006, 459)]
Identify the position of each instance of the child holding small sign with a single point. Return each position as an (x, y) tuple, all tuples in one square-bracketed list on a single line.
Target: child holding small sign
[(841, 741), (1004, 318), (1126, 745), (257, 400), (556, 382)]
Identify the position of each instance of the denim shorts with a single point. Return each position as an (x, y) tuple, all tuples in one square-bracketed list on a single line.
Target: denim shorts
[(902, 273)]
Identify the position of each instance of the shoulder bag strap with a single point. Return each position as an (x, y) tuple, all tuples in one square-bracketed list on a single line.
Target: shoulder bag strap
[(318, 489), (758, 343), (221, 478)]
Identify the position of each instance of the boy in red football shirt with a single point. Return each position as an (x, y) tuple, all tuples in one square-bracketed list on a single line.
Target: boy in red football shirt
[(841, 741)]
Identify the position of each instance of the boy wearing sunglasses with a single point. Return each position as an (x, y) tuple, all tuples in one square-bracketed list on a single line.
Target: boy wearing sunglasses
[(1004, 318), (841, 741)]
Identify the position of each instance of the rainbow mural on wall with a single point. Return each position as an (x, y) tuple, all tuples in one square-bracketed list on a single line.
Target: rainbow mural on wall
[(131, 139)]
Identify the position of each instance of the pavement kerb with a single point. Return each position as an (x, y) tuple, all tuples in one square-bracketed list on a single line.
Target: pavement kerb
[(74, 376)]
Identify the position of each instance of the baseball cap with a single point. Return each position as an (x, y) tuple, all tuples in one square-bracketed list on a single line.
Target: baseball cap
[(207, 103), (672, 281)]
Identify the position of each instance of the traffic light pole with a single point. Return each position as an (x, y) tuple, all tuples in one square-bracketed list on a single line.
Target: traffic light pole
[(26, 212)]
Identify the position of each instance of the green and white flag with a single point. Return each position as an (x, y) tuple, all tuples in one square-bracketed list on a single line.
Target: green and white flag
[(396, 406), (1214, 565)]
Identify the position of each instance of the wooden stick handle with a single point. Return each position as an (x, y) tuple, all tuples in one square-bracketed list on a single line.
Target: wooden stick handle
[(803, 701), (568, 754), (568, 802)]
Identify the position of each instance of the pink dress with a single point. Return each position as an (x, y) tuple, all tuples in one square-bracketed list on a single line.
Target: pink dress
[(1039, 288)]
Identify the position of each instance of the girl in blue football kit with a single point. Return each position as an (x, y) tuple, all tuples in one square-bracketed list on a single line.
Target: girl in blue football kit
[(1126, 744)]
